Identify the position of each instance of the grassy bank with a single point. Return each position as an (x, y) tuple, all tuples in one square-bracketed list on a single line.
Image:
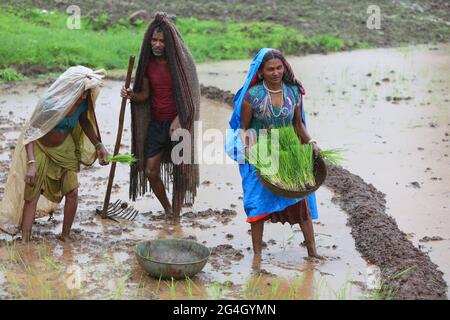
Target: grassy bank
[(402, 22), (36, 41)]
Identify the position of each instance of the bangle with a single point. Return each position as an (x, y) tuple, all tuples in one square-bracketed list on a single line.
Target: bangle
[(312, 141), (98, 145), (31, 161)]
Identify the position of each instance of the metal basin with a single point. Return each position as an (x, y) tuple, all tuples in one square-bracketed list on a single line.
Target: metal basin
[(171, 258)]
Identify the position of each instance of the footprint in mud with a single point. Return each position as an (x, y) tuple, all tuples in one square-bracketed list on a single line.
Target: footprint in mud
[(414, 184), (170, 231), (223, 255), (199, 225), (434, 238)]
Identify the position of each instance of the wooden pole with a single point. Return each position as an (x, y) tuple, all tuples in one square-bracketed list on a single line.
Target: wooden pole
[(118, 139)]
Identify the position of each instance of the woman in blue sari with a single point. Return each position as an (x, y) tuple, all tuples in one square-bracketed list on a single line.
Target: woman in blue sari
[(270, 98)]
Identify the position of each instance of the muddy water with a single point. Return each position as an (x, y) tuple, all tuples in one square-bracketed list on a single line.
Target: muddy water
[(390, 109), (99, 263)]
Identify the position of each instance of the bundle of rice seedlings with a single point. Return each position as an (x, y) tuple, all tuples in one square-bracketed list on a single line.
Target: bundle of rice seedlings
[(295, 160), (122, 158), (333, 156)]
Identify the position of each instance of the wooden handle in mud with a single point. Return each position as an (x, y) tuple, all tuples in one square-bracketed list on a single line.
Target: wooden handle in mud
[(118, 139)]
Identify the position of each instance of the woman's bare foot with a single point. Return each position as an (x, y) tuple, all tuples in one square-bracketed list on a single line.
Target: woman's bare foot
[(64, 238), (312, 252), (315, 258), (256, 263)]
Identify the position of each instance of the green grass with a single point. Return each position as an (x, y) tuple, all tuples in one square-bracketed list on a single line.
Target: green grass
[(10, 74), (30, 37), (388, 291)]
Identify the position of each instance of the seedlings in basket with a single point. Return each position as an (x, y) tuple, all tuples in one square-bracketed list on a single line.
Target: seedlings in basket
[(295, 170), (333, 156)]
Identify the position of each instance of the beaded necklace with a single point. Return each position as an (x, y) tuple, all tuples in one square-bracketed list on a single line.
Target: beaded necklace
[(282, 107)]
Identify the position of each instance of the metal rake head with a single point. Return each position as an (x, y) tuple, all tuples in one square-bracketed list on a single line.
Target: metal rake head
[(119, 210)]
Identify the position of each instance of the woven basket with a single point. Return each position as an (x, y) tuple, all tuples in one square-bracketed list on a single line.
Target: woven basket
[(320, 173)]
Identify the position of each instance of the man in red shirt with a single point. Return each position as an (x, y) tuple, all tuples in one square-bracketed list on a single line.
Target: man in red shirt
[(159, 80)]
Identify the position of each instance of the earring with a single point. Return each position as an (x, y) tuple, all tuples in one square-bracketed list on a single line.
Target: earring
[(260, 77)]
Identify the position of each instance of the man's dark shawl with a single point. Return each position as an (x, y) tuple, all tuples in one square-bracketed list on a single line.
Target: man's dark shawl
[(185, 176)]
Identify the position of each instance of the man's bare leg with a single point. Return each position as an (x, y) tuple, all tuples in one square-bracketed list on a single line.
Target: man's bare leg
[(29, 211), (152, 171), (70, 209), (177, 205)]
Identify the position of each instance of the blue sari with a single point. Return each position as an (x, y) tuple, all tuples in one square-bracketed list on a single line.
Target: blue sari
[(259, 202)]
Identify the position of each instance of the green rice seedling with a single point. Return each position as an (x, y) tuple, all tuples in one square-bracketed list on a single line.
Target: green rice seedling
[(274, 287), (386, 292), (293, 288), (188, 286), (401, 273), (17, 290), (11, 253), (320, 288), (172, 289), (122, 158), (156, 292), (333, 156), (120, 288), (342, 292), (295, 161), (52, 264), (216, 289), (140, 287), (251, 288)]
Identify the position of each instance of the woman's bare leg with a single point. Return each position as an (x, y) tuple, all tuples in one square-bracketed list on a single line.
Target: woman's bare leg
[(70, 209), (29, 211), (308, 233), (257, 235)]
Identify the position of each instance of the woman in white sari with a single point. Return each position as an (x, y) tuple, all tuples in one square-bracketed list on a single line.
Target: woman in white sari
[(61, 133)]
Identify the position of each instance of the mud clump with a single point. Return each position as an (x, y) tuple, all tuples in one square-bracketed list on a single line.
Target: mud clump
[(434, 238), (217, 94), (223, 255), (406, 270), (224, 216), (227, 250), (415, 184), (199, 225), (28, 69)]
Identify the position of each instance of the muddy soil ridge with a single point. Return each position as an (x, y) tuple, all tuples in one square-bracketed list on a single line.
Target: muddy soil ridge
[(406, 272)]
